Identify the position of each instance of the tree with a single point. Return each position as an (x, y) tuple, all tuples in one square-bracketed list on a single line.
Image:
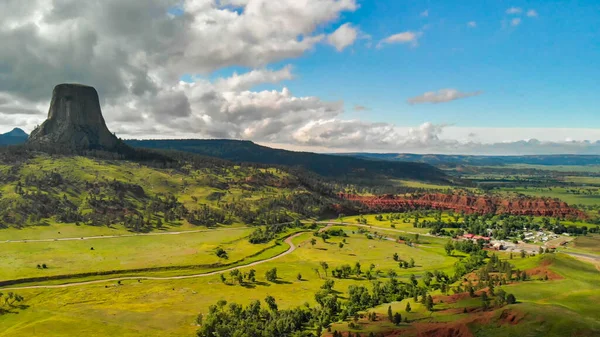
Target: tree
[(251, 275), (484, 300), (223, 279), (390, 314), (523, 253), (416, 238), (449, 247), (471, 291), (270, 300), (397, 318), (325, 266), (341, 245), (412, 262), (413, 279), (429, 303), (313, 242), (328, 285), (221, 253), (299, 277), (510, 299), (408, 308), (396, 257), (271, 275)]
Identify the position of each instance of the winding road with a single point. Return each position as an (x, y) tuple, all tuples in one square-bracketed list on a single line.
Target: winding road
[(288, 241)]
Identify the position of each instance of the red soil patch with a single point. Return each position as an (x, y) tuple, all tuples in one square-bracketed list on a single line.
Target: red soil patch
[(459, 328), (442, 330), (451, 298), (542, 270), (512, 317)]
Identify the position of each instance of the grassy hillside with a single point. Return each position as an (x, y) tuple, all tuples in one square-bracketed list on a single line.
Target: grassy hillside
[(44, 190)]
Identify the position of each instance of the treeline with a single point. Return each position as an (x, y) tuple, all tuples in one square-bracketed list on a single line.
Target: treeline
[(499, 226)]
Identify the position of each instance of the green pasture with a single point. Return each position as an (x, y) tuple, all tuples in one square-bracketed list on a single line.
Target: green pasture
[(557, 192), (587, 244), (168, 308), (20, 259)]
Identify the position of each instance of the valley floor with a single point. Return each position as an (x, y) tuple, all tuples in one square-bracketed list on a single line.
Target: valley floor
[(150, 306)]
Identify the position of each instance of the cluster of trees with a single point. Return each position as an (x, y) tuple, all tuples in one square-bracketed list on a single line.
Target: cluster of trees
[(239, 277), (269, 232), (10, 301)]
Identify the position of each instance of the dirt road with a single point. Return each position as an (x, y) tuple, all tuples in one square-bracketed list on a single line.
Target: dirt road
[(288, 241)]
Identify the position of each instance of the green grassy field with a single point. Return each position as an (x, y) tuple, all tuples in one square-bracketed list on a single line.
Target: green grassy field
[(19, 260), (590, 244), (138, 309), (557, 192)]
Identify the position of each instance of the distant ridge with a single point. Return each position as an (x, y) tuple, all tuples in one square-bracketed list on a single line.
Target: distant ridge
[(481, 160), (14, 137), (322, 164)]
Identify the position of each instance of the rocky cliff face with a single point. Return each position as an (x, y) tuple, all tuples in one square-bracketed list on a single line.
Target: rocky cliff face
[(74, 121), (469, 204)]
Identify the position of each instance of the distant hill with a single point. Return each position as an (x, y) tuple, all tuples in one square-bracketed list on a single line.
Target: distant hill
[(14, 137), (440, 159), (322, 164)]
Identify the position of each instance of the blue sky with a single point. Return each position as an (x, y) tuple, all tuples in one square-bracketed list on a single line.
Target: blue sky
[(289, 73), (542, 73)]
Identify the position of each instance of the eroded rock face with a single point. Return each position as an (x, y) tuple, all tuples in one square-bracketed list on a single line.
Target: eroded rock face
[(469, 204), (74, 121)]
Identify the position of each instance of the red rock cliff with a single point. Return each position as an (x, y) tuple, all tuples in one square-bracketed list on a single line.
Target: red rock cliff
[(469, 204)]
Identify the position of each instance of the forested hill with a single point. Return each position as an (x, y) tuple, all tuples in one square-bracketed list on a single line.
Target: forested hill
[(322, 164)]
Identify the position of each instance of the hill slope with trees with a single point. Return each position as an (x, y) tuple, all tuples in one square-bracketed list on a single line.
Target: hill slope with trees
[(322, 164)]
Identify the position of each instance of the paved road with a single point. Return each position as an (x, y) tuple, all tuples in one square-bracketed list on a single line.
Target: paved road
[(594, 259), (116, 279)]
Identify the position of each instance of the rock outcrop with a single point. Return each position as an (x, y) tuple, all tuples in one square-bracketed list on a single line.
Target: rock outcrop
[(74, 121), (469, 204)]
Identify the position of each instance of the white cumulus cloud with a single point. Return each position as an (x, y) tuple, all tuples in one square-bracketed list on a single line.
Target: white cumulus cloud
[(404, 37), (343, 37), (441, 96)]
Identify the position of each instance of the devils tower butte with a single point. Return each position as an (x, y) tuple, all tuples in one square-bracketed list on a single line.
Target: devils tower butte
[(74, 120)]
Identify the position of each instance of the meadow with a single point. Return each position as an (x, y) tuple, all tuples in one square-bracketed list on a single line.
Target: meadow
[(142, 304)]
